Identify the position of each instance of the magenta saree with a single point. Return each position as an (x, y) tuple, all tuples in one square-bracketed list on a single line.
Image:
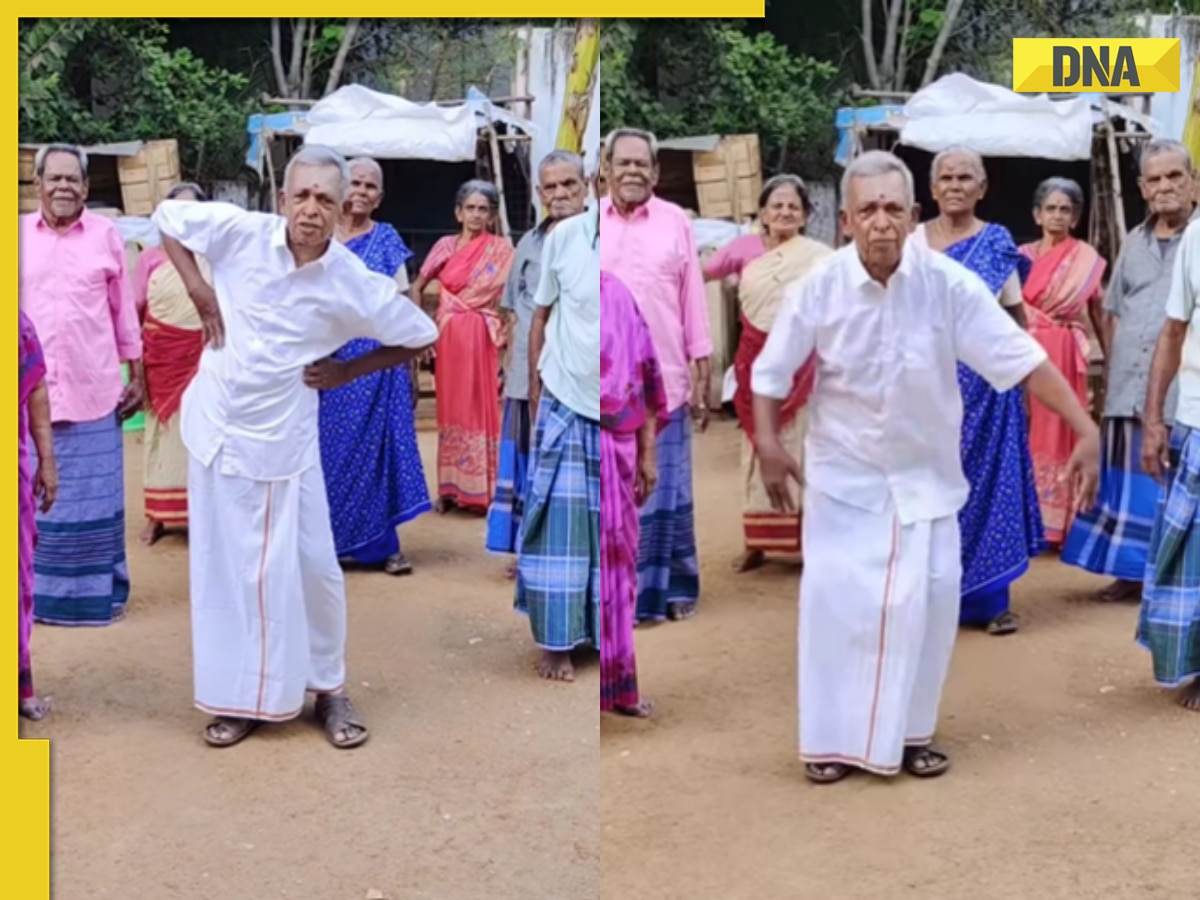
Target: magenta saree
[(630, 388), (31, 370)]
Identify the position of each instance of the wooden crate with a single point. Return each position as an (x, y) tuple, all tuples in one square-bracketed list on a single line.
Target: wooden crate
[(138, 183), (729, 179), (147, 177)]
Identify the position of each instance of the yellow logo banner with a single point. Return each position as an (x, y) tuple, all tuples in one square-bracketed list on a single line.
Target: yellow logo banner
[(1096, 65)]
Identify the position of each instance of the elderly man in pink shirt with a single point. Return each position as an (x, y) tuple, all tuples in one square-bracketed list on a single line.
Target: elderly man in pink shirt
[(648, 244), (73, 287)]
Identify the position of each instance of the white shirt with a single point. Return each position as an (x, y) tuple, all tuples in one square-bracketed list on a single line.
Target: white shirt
[(248, 400), (885, 414), (1182, 306), (570, 284)]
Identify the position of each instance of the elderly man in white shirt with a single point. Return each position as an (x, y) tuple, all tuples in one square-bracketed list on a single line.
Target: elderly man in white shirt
[(888, 321), (1169, 623), (558, 548), (268, 597)]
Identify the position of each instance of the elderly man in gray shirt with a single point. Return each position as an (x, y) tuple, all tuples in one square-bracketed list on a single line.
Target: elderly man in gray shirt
[(562, 188), (1114, 538)]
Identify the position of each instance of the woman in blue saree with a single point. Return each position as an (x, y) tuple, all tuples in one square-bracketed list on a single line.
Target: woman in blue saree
[(373, 471), (1001, 523)]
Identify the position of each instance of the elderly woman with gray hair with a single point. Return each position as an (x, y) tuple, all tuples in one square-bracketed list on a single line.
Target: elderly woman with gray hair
[(1063, 287), (470, 269), (1001, 524), (373, 472), (172, 341)]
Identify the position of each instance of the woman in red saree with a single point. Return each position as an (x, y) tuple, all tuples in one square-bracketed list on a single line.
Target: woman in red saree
[(1063, 287), (172, 342), (470, 268)]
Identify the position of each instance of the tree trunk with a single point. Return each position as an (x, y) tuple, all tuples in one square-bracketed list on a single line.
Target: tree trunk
[(299, 43), (339, 61), (277, 58), (891, 39), (868, 39), (953, 8)]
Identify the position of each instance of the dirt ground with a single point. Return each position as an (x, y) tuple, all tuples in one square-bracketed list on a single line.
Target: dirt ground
[(1075, 778), (480, 780)]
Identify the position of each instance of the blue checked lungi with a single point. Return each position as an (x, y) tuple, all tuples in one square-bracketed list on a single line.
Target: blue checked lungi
[(1114, 538), (1169, 624), (80, 573), (558, 563), (668, 568), (504, 515)]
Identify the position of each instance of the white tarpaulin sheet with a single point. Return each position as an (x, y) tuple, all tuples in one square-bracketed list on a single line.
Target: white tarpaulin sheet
[(357, 121), (957, 110)]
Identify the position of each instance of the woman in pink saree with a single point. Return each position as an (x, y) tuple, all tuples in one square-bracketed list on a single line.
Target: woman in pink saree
[(1063, 287), (34, 490), (632, 409), (470, 268)]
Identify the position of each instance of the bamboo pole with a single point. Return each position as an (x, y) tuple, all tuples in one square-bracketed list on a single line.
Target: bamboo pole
[(498, 174)]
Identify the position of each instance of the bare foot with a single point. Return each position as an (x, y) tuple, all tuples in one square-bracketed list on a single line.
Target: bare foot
[(152, 532), (643, 710), (34, 708), (677, 612), (749, 561), (442, 505), (1189, 697), (556, 666), (510, 571), (1121, 591)]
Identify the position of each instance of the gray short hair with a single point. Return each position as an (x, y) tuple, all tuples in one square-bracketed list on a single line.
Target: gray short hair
[(1066, 186), (610, 142), (975, 158), (319, 157), (478, 186), (368, 163), (563, 157), (878, 162), (39, 161), (786, 179), (1160, 146), (187, 187)]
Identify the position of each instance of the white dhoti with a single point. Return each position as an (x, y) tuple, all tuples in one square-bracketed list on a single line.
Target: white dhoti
[(879, 605), (268, 596)]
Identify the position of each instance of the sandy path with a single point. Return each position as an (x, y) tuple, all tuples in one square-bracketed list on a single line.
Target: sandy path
[(479, 781), (1075, 777)]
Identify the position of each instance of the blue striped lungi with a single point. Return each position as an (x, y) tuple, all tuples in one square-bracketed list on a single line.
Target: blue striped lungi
[(80, 573), (558, 563), (1169, 624), (668, 567), (504, 515), (1114, 538)]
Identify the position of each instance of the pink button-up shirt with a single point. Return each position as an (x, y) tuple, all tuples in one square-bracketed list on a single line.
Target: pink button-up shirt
[(654, 253), (74, 288)]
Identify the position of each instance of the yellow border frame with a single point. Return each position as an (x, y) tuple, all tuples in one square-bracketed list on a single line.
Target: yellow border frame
[(26, 764)]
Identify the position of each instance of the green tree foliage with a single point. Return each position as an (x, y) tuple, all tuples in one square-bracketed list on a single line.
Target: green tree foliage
[(702, 77), (91, 81)]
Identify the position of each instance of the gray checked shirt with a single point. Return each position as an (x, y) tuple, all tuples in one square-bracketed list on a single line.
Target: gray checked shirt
[(1137, 297), (523, 280)]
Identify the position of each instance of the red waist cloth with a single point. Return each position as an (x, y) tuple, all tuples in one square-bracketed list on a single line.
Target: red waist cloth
[(750, 345), (170, 357)]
